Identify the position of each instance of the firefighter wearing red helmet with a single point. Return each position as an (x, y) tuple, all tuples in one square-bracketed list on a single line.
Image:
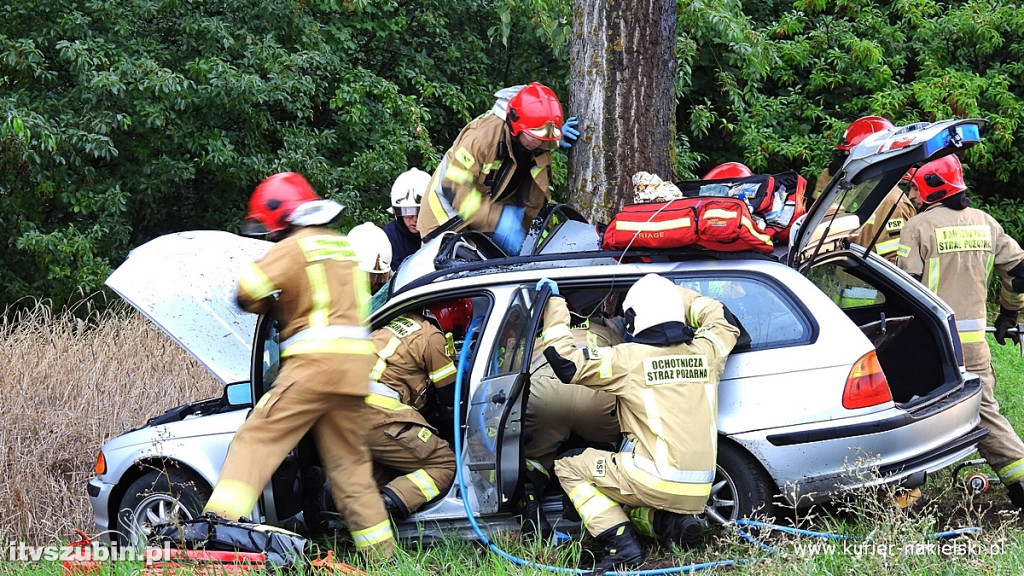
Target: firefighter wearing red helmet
[(413, 465), (952, 249), (310, 283), (496, 176), (882, 229), (728, 170)]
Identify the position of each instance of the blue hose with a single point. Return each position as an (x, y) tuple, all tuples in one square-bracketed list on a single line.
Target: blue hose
[(462, 365)]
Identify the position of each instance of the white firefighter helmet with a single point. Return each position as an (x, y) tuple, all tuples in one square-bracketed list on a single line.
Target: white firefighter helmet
[(407, 191), (652, 300), (372, 247)]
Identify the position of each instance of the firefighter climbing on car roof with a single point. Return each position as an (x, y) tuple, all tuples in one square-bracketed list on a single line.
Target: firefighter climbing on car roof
[(496, 176), (310, 283), (952, 249), (677, 344), (412, 463)]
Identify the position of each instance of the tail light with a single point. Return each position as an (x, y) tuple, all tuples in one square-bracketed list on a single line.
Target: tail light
[(866, 385)]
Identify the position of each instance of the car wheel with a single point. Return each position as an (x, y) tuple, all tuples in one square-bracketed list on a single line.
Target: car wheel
[(159, 497), (742, 488)]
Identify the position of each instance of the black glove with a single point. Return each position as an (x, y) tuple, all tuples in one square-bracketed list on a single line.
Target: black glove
[(1006, 320)]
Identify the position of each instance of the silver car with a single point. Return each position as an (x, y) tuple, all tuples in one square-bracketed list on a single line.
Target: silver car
[(852, 375)]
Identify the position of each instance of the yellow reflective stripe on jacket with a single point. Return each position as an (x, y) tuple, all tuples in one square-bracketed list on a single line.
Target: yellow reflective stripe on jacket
[(373, 535), (606, 363), (382, 357), (903, 251), (590, 502), (972, 337), (458, 175), (654, 424), (534, 465), (535, 170), (386, 403), (436, 208), (887, 247), (1011, 472), (361, 286), (425, 483), (470, 204), (333, 346), (320, 294), (442, 372), (934, 270), (256, 283), (554, 332), (1013, 299), (700, 489)]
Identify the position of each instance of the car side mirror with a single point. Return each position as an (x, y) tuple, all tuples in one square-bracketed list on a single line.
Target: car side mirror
[(238, 394)]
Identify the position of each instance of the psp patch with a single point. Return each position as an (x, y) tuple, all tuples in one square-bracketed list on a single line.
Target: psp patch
[(600, 467)]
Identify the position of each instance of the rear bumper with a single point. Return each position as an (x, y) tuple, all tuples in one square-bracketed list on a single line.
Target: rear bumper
[(814, 463)]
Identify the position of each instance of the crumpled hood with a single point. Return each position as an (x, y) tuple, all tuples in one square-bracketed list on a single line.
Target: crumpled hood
[(185, 283)]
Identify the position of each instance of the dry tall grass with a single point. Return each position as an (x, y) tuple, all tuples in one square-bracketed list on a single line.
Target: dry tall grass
[(68, 386)]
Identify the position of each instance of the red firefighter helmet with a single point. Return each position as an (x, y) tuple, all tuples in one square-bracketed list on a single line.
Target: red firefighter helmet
[(939, 179), (728, 170), (451, 316), (860, 129), (536, 110), (272, 203)]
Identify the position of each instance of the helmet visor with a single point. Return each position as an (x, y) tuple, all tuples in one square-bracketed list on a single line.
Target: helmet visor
[(548, 132), (253, 227), (405, 210)]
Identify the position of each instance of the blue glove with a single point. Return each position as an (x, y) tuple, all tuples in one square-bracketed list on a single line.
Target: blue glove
[(569, 132), (549, 283), (509, 234)]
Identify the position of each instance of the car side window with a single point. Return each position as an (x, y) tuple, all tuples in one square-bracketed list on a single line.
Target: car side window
[(271, 356), (846, 290), (769, 317), (509, 351)]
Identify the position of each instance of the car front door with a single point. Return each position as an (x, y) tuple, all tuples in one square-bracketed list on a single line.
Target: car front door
[(493, 445)]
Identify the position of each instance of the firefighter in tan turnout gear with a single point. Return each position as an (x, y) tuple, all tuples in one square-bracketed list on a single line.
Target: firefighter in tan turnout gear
[(665, 378), (496, 176), (557, 411), (952, 249), (310, 284), (412, 356)]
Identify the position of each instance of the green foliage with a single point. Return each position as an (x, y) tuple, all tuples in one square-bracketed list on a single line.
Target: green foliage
[(121, 121)]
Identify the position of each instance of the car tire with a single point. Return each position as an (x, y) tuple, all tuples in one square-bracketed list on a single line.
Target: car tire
[(159, 496), (742, 487)]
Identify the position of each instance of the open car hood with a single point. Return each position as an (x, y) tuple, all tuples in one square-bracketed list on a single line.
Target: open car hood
[(872, 169), (185, 283)]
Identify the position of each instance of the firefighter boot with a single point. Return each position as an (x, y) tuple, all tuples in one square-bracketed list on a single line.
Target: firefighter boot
[(681, 530), (622, 549), (1016, 494), (393, 504), (534, 523)]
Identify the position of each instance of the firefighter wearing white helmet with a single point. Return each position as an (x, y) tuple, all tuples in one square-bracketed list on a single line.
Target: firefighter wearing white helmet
[(403, 231), (373, 252), (677, 344), (310, 284)]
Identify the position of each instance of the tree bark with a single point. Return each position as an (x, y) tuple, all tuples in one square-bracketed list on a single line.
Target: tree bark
[(622, 88)]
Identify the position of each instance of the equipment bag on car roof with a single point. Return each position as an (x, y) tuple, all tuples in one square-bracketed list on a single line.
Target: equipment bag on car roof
[(716, 223), (774, 200)]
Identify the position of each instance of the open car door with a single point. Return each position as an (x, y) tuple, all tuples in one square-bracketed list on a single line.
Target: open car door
[(495, 419)]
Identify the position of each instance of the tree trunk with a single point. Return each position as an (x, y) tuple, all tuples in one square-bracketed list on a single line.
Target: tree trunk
[(622, 88)]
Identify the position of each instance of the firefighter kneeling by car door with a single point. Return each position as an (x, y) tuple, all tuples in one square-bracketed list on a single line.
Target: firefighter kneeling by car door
[(412, 355), (665, 379)]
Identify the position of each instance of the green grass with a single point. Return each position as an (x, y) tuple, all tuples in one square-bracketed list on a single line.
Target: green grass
[(883, 539)]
